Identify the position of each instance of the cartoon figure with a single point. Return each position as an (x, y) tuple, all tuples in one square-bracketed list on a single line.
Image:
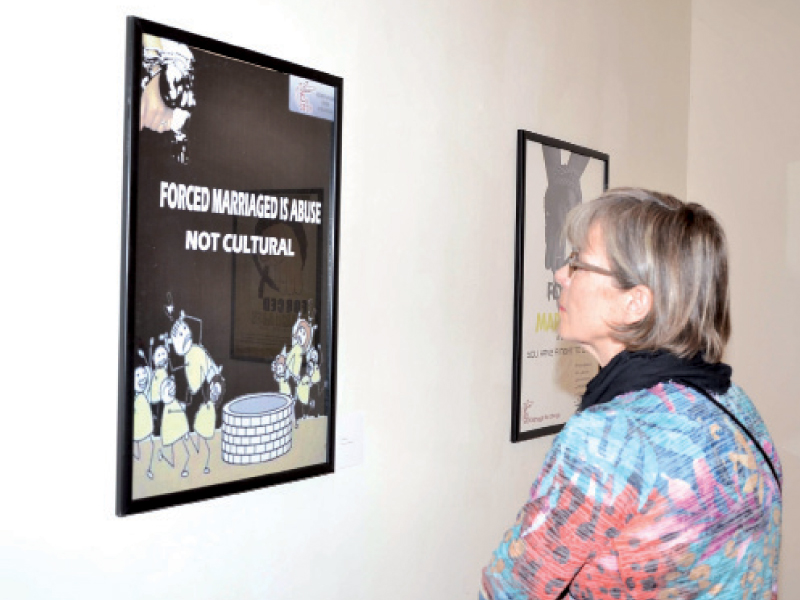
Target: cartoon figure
[(205, 422), (198, 365), (142, 414), (562, 194), (302, 334), (175, 425), (159, 361), (280, 373), (311, 378)]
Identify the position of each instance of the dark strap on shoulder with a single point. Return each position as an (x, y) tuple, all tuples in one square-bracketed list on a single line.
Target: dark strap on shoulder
[(742, 427)]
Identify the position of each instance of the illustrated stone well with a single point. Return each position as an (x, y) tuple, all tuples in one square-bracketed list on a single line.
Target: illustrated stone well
[(257, 428)]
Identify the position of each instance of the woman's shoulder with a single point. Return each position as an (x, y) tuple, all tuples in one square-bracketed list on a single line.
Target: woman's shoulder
[(666, 419), (641, 440), (665, 408), (676, 398), (737, 401), (652, 404), (673, 419)]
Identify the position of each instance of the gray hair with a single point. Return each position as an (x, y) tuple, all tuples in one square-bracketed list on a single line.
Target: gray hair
[(678, 251)]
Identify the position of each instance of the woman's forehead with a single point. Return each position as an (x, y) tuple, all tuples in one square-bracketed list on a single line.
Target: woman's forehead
[(594, 243)]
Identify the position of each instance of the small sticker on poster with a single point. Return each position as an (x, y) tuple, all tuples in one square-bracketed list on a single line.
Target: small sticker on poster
[(312, 98)]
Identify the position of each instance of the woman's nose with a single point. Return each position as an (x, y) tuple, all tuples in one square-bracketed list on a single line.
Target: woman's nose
[(561, 276)]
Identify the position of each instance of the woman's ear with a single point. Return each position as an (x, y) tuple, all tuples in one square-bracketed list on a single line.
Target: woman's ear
[(638, 303)]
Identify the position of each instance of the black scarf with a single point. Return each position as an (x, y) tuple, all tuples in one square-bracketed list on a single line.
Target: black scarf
[(632, 371)]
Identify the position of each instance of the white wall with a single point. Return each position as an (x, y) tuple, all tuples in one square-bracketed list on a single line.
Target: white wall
[(744, 163), (434, 94)]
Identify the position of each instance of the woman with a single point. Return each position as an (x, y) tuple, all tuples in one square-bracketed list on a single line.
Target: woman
[(652, 490)]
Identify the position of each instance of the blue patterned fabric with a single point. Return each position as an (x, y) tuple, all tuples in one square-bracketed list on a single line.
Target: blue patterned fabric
[(656, 494)]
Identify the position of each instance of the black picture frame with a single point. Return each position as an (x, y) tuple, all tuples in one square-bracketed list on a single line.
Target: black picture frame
[(548, 373), (231, 193)]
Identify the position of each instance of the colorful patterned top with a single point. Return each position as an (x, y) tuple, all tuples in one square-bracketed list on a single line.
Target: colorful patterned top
[(655, 494)]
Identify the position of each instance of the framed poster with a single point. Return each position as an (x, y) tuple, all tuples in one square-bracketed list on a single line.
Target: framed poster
[(229, 270), (550, 374)]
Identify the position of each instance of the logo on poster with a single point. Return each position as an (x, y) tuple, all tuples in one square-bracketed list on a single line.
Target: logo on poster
[(312, 98), (304, 88), (527, 418)]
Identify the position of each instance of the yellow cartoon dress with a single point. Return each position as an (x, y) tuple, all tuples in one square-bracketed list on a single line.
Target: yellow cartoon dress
[(304, 386), (142, 418), (206, 420), (197, 365), (294, 360), (175, 424)]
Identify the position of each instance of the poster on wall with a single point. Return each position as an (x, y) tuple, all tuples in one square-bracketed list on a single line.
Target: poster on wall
[(229, 265), (549, 374)]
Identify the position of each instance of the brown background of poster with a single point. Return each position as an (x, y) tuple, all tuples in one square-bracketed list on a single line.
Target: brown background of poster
[(266, 307), (242, 137)]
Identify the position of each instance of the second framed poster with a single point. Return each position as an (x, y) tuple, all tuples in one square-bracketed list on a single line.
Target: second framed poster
[(549, 374)]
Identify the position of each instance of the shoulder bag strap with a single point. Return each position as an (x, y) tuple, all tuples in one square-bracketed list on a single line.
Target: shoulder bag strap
[(743, 428)]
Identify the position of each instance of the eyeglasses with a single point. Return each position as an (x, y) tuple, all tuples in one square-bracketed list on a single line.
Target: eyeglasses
[(574, 265)]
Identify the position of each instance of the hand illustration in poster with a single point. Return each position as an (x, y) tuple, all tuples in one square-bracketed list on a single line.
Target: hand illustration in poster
[(278, 272), (563, 193), (167, 94)]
